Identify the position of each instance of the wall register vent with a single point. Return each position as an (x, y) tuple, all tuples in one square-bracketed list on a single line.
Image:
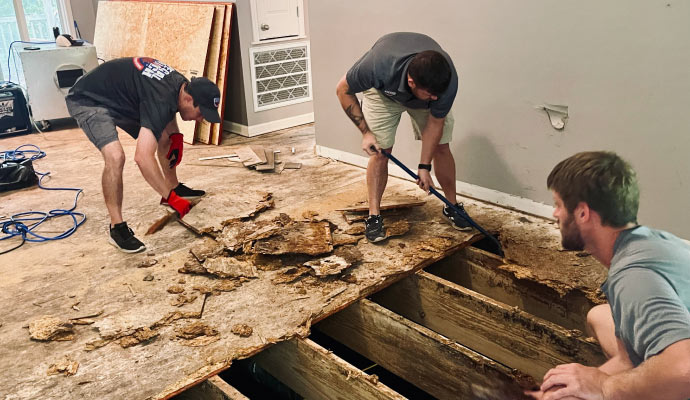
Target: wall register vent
[(281, 75)]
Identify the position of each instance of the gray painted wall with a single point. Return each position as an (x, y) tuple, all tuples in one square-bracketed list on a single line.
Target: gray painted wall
[(244, 21), (622, 67)]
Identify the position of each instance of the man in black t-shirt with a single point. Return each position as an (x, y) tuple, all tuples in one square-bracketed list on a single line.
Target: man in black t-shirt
[(142, 96), (404, 72)]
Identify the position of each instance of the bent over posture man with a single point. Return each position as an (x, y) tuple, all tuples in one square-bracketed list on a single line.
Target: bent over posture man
[(403, 72), (645, 328), (142, 96)]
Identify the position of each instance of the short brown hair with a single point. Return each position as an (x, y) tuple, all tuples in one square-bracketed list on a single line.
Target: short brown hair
[(430, 71), (603, 180)]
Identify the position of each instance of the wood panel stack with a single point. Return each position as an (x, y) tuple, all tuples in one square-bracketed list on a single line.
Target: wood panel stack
[(192, 37)]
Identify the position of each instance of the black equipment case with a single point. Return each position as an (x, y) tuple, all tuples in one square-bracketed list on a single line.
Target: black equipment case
[(14, 115)]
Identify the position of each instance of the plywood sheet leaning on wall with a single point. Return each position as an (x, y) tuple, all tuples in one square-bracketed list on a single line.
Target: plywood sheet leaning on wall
[(203, 129), (114, 19), (176, 34), (217, 130)]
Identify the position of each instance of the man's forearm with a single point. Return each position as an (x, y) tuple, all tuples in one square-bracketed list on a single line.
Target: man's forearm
[(431, 136), (664, 376), (152, 174), (354, 111)]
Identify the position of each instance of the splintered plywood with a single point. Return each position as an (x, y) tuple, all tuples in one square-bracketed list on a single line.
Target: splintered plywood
[(311, 238), (217, 129), (221, 208), (203, 129)]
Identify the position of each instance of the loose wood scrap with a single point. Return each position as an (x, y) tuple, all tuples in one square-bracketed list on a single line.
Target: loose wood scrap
[(222, 76), (270, 161), (48, 327), (389, 203), (313, 238), (221, 208)]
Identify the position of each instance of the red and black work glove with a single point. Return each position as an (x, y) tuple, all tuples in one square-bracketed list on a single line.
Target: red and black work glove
[(178, 203), (175, 151)]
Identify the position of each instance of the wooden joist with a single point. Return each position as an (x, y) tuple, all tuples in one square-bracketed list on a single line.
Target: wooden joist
[(214, 388), (486, 273), (500, 332), (426, 359), (315, 373)]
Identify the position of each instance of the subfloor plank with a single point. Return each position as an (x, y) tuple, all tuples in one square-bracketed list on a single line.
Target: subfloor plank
[(426, 359), (503, 333), (315, 373)]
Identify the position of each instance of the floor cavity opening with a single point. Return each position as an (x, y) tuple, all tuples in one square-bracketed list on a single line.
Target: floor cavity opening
[(488, 244)]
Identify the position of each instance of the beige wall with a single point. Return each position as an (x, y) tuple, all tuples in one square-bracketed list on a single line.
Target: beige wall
[(621, 66)]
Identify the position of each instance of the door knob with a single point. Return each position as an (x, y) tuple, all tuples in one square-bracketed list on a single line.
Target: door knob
[(264, 27)]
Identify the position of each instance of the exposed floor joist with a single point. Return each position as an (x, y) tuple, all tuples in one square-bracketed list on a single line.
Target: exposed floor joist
[(424, 358), (492, 328), (315, 373)]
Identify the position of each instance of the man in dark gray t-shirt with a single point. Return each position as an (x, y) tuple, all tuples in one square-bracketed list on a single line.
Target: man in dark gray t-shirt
[(645, 328), (403, 72)]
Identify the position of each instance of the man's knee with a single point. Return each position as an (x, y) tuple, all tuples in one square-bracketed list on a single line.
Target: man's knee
[(113, 155), (442, 150), (599, 318)]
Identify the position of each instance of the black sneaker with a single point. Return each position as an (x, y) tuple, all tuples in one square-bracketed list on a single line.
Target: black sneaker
[(185, 192), (123, 238), (456, 220), (374, 230)]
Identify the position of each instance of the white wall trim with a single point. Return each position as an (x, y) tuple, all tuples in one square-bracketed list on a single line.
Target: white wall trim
[(272, 126), (465, 189)]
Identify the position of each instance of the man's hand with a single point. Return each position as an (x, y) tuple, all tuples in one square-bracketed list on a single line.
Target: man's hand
[(573, 381), (178, 203), (175, 151), (369, 141), (425, 182)]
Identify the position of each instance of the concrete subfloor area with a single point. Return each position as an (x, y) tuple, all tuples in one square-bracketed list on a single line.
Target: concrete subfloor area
[(83, 274)]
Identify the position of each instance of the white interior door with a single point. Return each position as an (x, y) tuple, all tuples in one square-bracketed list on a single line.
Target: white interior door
[(277, 18)]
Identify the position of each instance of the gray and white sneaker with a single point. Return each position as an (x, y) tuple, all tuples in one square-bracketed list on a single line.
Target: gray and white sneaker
[(374, 230), (456, 219), (123, 238)]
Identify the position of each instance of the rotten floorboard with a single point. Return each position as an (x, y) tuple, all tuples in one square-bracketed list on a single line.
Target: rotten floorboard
[(83, 275)]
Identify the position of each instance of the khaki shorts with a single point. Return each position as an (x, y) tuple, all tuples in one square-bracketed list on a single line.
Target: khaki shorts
[(383, 116)]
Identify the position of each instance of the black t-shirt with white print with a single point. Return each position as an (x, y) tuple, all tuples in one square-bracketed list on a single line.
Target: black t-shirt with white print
[(137, 92)]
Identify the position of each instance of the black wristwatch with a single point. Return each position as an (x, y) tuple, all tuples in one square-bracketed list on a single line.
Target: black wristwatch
[(424, 166)]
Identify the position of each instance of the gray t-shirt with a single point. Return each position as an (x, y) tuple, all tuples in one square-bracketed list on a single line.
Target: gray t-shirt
[(384, 67), (648, 288)]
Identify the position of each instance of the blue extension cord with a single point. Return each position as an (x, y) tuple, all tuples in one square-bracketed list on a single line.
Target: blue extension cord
[(23, 224)]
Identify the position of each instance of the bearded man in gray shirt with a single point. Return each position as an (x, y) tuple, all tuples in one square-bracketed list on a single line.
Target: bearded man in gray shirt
[(645, 328), (404, 72)]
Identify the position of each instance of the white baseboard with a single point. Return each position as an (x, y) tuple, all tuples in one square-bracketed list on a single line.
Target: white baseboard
[(272, 126), (463, 188)]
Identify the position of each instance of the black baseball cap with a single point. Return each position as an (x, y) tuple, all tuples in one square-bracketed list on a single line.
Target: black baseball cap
[(207, 96)]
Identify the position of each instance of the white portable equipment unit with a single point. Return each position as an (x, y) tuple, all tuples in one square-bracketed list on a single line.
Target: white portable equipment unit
[(49, 72)]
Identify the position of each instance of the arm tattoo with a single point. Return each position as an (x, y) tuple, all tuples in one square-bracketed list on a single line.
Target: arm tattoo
[(358, 119)]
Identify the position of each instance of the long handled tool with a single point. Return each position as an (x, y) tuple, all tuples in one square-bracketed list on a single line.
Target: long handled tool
[(435, 192)]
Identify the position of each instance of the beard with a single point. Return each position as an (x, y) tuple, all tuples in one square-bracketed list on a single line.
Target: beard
[(571, 238)]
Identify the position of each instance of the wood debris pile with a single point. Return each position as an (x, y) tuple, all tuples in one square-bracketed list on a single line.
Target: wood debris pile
[(259, 158)]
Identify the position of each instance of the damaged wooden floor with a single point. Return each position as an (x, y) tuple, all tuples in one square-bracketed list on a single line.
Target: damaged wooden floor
[(146, 339)]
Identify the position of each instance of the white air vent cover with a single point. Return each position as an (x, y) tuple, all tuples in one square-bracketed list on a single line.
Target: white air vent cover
[(281, 75)]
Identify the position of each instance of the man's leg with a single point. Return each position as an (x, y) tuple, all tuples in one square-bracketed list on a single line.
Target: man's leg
[(377, 178), (114, 158), (444, 167), (600, 326)]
